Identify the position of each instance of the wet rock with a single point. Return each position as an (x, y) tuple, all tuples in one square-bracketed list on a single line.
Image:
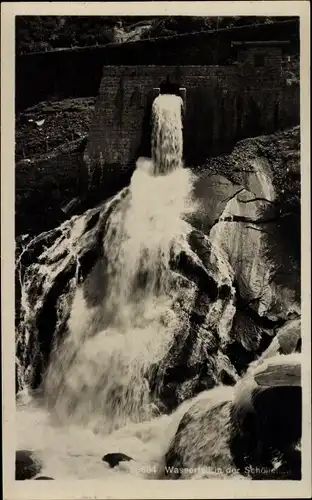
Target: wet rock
[(289, 336), (27, 465), (195, 361), (286, 341), (212, 192), (243, 243), (241, 430), (281, 374), (250, 227), (202, 437), (247, 339), (113, 459), (244, 233), (219, 271), (195, 271)]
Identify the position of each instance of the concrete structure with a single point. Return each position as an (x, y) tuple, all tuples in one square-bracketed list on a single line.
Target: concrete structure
[(224, 104)]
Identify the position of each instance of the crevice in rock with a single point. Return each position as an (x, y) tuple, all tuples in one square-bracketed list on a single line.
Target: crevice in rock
[(256, 199), (226, 200)]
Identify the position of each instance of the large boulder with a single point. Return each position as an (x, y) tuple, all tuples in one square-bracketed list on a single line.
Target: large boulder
[(200, 445), (253, 194), (266, 419), (250, 430), (27, 465)]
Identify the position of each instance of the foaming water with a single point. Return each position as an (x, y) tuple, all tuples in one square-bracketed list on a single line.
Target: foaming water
[(74, 452), (98, 378)]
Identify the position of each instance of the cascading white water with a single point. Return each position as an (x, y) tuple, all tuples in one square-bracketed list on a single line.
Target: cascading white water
[(167, 140), (98, 377)]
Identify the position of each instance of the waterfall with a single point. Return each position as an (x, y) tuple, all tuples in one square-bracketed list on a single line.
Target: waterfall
[(98, 376), (125, 316)]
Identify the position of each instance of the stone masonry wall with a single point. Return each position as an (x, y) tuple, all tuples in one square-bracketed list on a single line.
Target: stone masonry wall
[(223, 105)]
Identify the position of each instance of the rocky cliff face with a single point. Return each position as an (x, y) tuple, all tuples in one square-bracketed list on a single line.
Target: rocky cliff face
[(251, 209), (256, 189)]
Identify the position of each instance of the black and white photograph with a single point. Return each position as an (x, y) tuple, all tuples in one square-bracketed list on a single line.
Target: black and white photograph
[(158, 225)]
